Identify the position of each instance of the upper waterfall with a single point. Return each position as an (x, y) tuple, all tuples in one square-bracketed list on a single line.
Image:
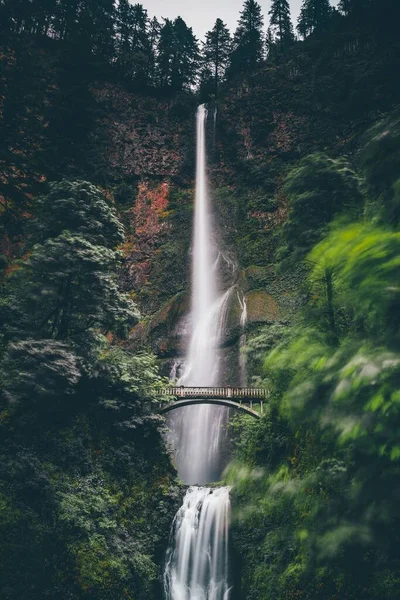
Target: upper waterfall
[(197, 431)]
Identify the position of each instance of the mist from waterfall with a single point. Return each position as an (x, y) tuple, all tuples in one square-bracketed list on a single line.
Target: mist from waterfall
[(197, 560)]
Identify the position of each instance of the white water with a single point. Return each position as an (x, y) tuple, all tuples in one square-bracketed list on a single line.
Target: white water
[(197, 561), (243, 342), (197, 431)]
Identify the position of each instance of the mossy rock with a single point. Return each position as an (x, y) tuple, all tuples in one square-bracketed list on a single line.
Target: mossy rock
[(262, 307), (257, 277), (138, 335), (232, 327), (162, 332)]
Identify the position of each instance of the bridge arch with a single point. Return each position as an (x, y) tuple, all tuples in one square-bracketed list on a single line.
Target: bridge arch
[(218, 401)]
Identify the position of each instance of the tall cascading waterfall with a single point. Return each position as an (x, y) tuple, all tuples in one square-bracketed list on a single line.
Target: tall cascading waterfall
[(197, 561)]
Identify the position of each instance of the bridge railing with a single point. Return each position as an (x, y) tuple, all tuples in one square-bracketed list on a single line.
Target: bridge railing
[(243, 393)]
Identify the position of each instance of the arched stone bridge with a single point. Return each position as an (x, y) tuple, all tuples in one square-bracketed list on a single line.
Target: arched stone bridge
[(239, 398)]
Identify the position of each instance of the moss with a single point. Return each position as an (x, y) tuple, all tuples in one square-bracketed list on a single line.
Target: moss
[(259, 276), (262, 307)]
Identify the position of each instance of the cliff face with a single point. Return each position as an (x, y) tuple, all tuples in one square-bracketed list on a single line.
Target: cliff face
[(60, 121), (320, 98)]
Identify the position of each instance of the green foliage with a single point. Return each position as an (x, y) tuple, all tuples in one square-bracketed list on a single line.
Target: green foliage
[(247, 42), (68, 285), (281, 27), (80, 207), (87, 490), (380, 161), (215, 57), (364, 264), (314, 16), (313, 514), (42, 371), (318, 189)]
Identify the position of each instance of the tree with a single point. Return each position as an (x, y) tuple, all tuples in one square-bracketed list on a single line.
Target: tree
[(134, 48), (68, 285), (79, 207), (186, 56), (216, 53), (154, 36), (317, 189), (354, 7), (281, 23), (89, 24), (362, 262), (247, 42), (39, 370), (270, 43), (178, 55), (123, 28), (314, 15), (165, 53)]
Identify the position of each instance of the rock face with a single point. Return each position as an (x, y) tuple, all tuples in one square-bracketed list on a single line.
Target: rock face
[(250, 307), (164, 332)]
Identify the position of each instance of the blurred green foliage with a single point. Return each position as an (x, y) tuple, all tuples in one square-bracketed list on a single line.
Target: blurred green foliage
[(317, 189), (316, 480)]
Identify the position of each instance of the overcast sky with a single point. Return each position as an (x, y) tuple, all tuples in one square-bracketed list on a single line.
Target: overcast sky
[(201, 14)]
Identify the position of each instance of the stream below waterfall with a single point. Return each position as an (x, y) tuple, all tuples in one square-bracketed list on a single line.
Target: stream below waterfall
[(197, 559)]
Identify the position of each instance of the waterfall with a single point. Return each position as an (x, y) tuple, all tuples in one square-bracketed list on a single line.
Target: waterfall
[(197, 560), (243, 342), (197, 431), (197, 565)]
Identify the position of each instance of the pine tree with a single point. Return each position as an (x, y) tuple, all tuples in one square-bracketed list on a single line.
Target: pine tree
[(303, 24), (89, 24), (353, 7), (178, 55), (314, 15), (100, 28), (247, 41), (270, 43), (216, 54), (123, 27), (154, 37), (165, 53), (68, 284), (281, 23), (134, 51)]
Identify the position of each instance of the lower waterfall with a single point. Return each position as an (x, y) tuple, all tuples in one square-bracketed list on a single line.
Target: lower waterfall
[(197, 562), (197, 559)]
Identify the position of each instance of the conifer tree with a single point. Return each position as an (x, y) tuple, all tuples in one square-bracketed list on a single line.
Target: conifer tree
[(165, 53), (353, 7), (216, 53), (186, 56), (178, 55), (281, 23), (123, 26), (247, 41), (89, 24), (270, 43), (154, 36), (134, 51), (314, 15)]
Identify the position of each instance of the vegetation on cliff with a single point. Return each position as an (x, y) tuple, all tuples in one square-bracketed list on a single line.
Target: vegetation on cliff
[(316, 480), (98, 100), (87, 490)]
